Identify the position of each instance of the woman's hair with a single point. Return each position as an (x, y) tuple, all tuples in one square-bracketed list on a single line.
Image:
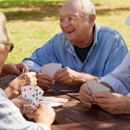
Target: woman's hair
[(3, 32)]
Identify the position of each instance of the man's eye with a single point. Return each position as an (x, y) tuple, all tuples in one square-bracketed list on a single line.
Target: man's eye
[(61, 20), (70, 18)]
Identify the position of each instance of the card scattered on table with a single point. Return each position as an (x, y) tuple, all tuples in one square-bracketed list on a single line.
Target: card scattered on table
[(32, 93), (95, 86), (52, 101), (50, 69)]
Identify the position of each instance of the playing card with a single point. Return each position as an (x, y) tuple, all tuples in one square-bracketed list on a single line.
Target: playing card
[(94, 86), (51, 103), (38, 91), (50, 69), (27, 91), (32, 93), (47, 98)]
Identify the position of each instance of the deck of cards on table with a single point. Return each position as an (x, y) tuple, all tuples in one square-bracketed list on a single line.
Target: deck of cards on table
[(52, 101), (95, 86), (50, 69)]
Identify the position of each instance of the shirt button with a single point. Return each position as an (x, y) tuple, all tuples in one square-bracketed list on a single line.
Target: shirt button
[(82, 70)]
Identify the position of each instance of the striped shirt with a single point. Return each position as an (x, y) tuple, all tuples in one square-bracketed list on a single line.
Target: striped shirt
[(12, 119)]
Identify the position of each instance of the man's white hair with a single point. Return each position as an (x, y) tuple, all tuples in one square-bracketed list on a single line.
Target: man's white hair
[(2, 18), (3, 33), (88, 7)]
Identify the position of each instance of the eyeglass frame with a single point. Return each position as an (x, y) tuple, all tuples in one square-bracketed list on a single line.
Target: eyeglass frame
[(69, 19), (9, 45)]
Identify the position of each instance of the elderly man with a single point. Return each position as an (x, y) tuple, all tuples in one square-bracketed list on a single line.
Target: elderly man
[(85, 49), (10, 116), (119, 82)]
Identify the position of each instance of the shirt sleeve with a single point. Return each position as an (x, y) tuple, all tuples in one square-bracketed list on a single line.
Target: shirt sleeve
[(115, 83), (12, 119), (32, 65), (119, 79)]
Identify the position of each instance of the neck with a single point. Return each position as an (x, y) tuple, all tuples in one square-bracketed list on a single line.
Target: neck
[(86, 41)]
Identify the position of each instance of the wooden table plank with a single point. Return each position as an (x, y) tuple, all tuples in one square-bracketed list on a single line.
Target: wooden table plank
[(73, 115), (63, 122)]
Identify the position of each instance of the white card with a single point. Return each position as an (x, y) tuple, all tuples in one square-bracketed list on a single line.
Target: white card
[(27, 91), (51, 103), (53, 99), (50, 69), (94, 86), (32, 93)]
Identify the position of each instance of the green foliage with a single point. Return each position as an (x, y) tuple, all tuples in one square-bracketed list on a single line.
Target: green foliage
[(30, 23)]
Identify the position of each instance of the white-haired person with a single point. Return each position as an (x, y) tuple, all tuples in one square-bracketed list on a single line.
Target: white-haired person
[(85, 49), (117, 101), (9, 69), (11, 117)]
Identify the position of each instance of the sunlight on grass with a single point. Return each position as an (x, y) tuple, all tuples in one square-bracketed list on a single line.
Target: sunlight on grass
[(30, 23), (29, 36)]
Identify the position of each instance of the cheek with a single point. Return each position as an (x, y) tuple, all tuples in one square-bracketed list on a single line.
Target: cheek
[(3, 55)]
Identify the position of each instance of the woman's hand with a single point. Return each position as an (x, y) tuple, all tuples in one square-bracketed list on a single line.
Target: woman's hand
[(14, 88), (22, 104)]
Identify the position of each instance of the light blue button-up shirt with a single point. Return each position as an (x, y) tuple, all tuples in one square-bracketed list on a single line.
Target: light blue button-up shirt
[(11, 118), (107, 52), (119, 79)]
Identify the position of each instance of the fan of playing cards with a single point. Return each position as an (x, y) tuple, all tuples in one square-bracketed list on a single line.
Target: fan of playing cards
[(36, 95)]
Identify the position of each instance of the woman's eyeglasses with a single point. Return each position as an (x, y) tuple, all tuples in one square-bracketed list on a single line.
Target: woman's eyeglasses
[(10, 46)]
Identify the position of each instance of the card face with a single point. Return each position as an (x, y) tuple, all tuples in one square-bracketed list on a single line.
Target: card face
[(32, 93), (52, 101), (38, 91), (50, 69), (26, 91), (94, 86)]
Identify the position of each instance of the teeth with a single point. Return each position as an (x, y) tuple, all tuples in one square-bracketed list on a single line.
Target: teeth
[(70, 31)]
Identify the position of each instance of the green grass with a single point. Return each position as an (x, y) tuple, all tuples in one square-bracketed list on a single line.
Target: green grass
[(30, 23)]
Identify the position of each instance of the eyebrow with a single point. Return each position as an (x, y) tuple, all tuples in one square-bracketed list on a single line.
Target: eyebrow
[(69, 16)]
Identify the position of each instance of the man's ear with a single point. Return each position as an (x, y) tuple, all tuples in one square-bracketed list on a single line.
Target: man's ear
[(92, 18)]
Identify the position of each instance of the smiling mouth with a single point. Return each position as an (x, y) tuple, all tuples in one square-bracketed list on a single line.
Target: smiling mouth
[(70, 31)]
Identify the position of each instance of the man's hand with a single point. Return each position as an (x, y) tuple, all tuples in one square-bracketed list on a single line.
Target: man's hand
[(44, 114), (14, 88), (20, 102), (112, 102), (85, 95), (13, 69), (68, 76), (44, 81)]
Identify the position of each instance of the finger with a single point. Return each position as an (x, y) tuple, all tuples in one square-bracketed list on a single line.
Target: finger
[(25, 101), (61, 73), (44, 77), (87, 104), (27, 110), (101, 100), (85, 89), (102, 94)]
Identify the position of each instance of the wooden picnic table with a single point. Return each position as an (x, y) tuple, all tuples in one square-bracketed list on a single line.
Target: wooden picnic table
[(73, 115)]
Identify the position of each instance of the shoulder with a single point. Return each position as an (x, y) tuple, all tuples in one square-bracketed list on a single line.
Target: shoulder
[(109, 31), (108, 34), (60, 36), (57, 40)]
